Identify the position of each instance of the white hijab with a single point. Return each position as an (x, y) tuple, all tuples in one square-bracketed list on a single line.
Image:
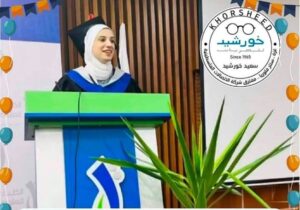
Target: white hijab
[(94, 68), (100, 72)]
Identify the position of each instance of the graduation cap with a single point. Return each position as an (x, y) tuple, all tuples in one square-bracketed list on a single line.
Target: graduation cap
[(78, 33)]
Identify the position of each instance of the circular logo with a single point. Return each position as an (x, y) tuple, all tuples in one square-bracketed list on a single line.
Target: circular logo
[(240, 47)]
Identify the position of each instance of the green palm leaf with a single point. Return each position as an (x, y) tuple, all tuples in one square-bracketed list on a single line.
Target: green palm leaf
[(247, 189), (181, 196), (185, 153), (209, 158), (204, 174), (240, 154), (226, 156)]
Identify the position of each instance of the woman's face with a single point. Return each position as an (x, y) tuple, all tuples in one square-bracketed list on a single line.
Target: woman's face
[(104, 45)]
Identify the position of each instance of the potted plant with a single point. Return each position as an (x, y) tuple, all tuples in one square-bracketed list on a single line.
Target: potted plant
[(204, 173)]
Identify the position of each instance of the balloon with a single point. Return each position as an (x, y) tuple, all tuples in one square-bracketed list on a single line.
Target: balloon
[(6, 63), (5, 206), (293, 198), (292, 40), (6, 135), (292, 122), (293, 162), (5, 175), (6, 105), (292, 92), (9, 27), (281, 25)]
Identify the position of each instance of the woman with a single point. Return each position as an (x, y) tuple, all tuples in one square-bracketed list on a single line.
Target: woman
[(96, 42)]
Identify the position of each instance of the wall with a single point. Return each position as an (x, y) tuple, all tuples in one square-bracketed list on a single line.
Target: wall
[(35, 52)]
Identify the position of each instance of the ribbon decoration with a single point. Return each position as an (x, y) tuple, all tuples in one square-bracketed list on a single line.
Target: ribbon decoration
[(25, 9), (268, 7)]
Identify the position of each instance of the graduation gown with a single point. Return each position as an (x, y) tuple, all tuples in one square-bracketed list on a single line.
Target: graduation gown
[(74, 82)]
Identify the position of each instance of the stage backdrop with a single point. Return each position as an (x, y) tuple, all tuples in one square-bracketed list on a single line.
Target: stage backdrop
[(35, 51), (259, 99)]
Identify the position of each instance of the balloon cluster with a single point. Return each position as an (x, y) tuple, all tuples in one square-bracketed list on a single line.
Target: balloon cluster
[(6, 105), (292, 93), (292, 39)]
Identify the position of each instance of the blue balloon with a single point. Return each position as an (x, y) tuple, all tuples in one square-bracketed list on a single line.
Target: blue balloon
[(6, 135), (281, 25), (292, 122), (293, 198), (9, 27), (5, 206)]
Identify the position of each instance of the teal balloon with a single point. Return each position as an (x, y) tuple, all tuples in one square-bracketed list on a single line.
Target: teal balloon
[(5, 206), (293, 198), (9, 27), (6, 135), (292, 122), (281, 25)]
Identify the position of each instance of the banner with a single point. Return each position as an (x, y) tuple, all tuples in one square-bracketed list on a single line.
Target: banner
[(268, 7), (25, 9)]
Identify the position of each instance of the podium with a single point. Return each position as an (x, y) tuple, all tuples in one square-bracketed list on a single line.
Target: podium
[(73, 129)]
